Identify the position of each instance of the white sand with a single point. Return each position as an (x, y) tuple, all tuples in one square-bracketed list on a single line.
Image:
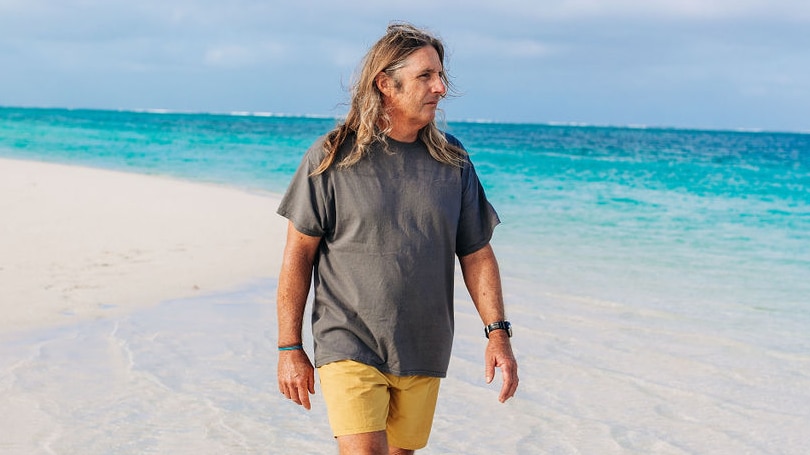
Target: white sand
[(90, 362), (84, 243)]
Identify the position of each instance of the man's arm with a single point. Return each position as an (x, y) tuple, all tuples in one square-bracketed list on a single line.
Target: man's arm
[(483, 280), (296, 376)]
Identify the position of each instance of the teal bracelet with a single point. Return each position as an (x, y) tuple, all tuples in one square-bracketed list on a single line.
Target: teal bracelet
[(295, 347)]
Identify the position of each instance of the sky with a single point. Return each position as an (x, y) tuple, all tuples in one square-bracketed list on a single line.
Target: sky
[(729, 64)]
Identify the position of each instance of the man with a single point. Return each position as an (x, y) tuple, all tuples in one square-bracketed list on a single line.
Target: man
[(378, 210)]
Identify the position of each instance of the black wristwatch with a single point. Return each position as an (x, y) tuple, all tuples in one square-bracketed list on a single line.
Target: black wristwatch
[(500, 325)]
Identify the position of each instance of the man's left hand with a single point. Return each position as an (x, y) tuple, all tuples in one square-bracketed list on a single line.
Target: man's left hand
[(499, 355)]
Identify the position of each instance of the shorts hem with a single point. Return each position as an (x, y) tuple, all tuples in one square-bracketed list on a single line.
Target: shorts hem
[(419, 446), (357, 431)]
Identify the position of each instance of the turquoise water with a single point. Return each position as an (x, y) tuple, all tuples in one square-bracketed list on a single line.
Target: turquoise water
[(657, 281), (713, 226)]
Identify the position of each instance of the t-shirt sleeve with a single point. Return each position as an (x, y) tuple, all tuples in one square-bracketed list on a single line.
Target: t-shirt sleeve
[(306, 202), (478, 218)]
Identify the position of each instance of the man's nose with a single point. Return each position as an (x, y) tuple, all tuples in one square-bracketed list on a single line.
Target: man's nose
[(439, 87)]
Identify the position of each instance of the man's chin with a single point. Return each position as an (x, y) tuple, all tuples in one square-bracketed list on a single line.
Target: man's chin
[(432, 115)]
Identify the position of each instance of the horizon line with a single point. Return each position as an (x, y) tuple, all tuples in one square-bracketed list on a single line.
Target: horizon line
[(551, 123)]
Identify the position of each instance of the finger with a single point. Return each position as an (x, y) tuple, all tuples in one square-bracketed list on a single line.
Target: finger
[(287, 388), (293, 395), (489, 369), (284, 382), (298, 395), (510, 382), (304, 398), (311, 383)]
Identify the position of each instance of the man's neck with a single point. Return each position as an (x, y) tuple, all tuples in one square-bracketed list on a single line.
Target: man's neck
[(405, 134)]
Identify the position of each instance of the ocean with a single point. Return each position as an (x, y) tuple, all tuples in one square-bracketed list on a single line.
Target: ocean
[(670, 265)]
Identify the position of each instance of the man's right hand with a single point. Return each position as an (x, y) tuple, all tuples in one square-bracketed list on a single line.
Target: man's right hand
[(296, 376)]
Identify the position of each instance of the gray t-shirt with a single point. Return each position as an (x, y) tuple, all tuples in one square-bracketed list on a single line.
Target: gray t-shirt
[(391, 226)]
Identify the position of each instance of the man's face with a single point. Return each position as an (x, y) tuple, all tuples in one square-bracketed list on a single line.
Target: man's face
[(413, 94)]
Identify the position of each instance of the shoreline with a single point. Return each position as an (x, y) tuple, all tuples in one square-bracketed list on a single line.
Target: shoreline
[(83, 243), (138, 314)]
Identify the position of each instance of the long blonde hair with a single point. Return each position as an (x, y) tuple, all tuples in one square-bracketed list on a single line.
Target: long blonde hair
[(366, 112)]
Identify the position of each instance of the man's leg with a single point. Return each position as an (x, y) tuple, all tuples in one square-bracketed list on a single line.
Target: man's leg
[(374, 443)]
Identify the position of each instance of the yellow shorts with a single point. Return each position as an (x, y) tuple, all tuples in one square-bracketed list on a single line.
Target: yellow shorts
[(361, 399)]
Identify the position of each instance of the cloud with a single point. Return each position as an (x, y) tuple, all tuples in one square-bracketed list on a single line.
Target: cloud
[(517, 59), (660, 9), (229, 55), (243, 55), (489, 46)]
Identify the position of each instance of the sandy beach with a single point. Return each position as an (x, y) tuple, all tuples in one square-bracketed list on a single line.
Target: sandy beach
[(79, 243), (138, 317)]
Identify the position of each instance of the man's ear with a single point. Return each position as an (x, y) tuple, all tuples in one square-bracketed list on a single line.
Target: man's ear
[(384, 83)]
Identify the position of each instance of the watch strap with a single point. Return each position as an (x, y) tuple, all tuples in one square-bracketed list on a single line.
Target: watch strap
[(499, 325)]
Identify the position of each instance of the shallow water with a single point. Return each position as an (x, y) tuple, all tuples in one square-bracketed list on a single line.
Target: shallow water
[(187, 376), (198, 376), (656, 279)]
